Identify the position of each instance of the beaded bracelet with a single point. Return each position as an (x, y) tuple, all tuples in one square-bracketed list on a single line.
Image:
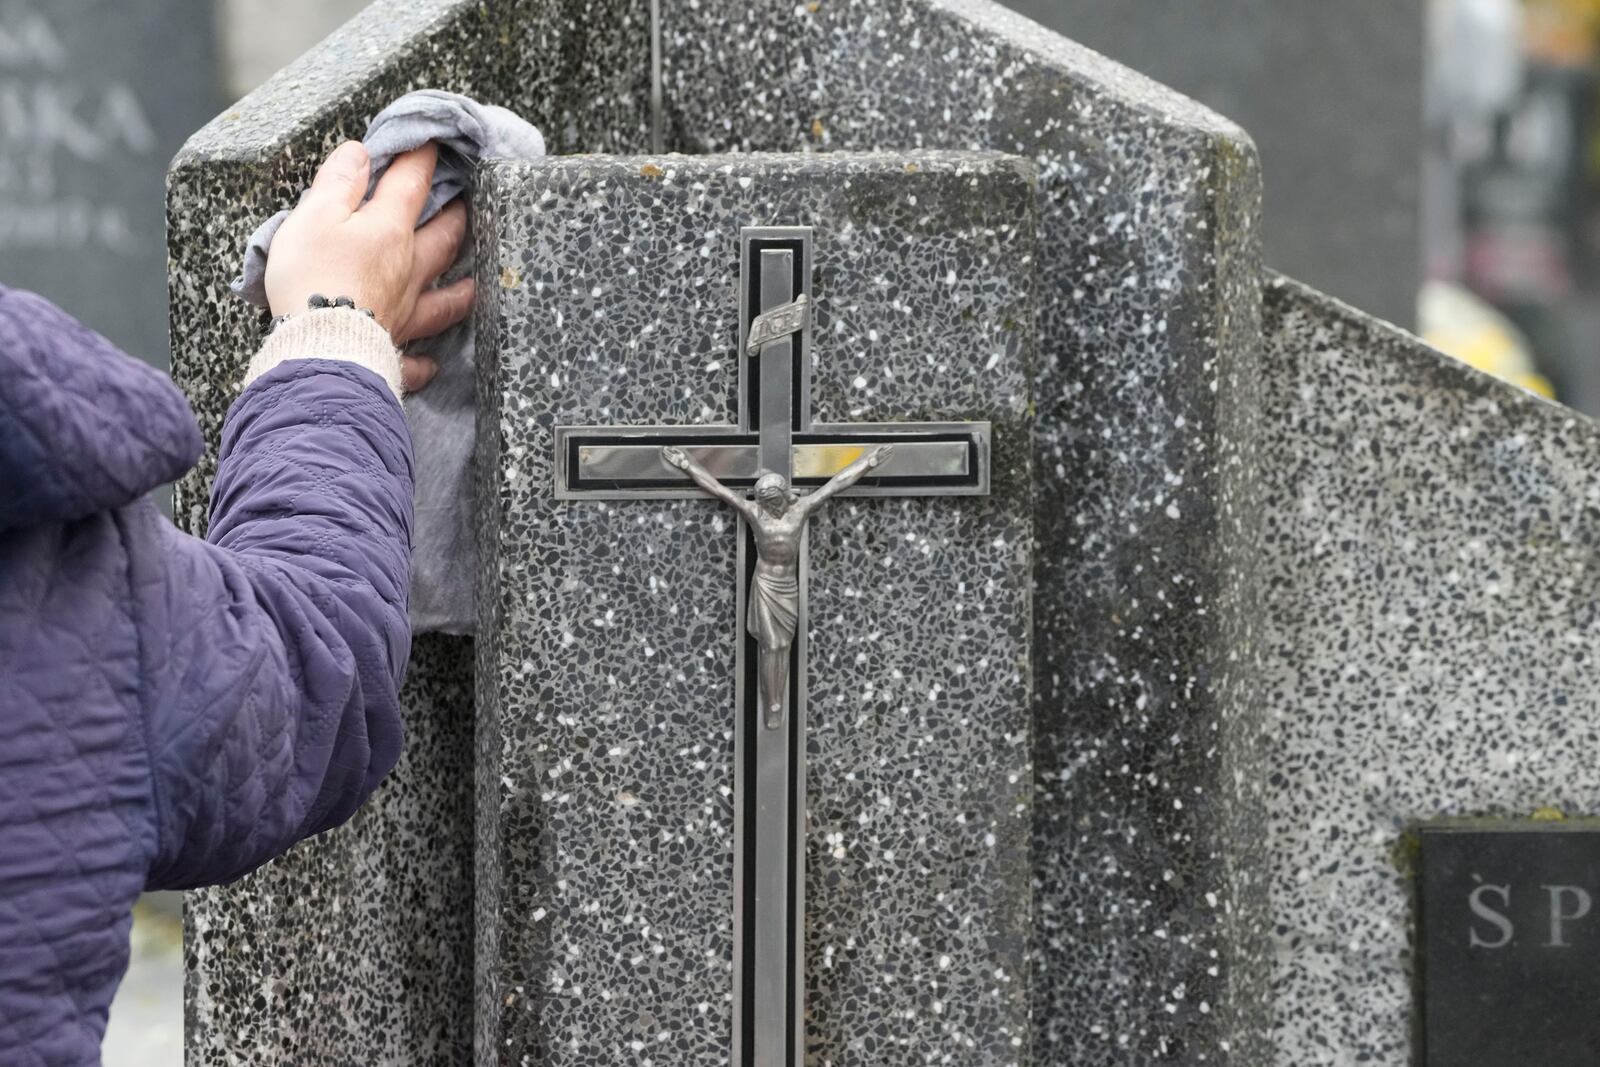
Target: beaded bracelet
[(316, 302)]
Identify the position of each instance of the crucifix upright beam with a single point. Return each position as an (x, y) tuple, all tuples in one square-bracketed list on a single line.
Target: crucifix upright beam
[(774, 448)]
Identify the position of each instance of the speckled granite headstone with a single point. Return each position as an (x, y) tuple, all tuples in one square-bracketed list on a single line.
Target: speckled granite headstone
[(1148, 256), (1289, 590), (605, 862)]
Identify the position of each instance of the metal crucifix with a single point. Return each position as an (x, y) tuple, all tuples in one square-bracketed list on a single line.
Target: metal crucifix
[(775, 452), (777, 520)]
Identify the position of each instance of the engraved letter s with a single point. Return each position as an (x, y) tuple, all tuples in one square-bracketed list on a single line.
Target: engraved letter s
[(1483, 911)]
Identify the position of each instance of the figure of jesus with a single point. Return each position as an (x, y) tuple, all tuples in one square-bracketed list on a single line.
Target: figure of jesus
[(777, 518)]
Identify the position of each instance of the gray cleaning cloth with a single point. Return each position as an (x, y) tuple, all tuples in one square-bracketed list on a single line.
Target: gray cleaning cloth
[(442, 416)]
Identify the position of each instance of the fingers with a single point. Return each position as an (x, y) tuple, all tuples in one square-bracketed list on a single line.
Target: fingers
[(416, 372), (403, 189), (437, 244), (439, 309), (341, 181)]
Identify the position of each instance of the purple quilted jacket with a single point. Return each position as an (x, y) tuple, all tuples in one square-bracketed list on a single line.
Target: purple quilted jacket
[(176, 712)]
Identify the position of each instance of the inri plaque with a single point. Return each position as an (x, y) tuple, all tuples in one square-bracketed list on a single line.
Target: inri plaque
[(1509, 944)]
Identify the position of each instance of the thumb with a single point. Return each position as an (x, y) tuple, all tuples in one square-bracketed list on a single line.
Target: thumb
[(341, 181), (416, 372)]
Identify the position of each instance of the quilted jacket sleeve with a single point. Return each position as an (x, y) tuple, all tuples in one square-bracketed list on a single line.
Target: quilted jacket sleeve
[(275, 711)]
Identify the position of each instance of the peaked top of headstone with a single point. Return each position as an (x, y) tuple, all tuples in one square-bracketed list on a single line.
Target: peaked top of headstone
[(393, 46), (1090, 68)]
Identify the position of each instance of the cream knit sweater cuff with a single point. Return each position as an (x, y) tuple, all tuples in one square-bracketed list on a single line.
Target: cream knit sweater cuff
[(330, 333)]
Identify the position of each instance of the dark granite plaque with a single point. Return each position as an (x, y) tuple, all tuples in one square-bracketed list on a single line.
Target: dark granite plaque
[(1509, 944)]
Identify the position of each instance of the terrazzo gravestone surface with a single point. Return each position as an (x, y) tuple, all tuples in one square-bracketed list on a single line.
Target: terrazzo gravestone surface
[(357, 947), (1425, 569), (1150, 294), (605, 863)]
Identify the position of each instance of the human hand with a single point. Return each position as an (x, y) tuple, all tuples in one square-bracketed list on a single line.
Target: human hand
[(675, 456), (374, 253), (879, 454)]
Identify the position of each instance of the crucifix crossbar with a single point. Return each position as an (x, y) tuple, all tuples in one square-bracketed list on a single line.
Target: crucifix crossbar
[(775, 436)]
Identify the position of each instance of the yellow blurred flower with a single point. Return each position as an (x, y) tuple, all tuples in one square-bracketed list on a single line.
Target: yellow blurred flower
[(1460, 324)]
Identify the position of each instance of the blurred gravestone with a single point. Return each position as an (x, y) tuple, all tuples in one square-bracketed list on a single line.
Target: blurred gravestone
[(259, 37), (95, 97), (1332, 95)]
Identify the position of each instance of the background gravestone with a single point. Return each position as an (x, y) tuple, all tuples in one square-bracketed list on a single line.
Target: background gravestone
[(1332, 96), (95, 97)]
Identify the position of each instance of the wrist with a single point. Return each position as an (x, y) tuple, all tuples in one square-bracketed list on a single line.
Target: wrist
[(340, 333), (317, 302)]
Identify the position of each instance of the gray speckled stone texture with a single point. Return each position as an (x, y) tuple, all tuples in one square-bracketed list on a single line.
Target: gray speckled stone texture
[(1426, 565), (605, 774), (1150, 289), (356, 947)]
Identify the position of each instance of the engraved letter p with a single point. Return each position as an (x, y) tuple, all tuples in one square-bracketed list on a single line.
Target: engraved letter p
[(1558, 915)]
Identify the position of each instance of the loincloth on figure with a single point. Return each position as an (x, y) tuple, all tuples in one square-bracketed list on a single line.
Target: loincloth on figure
[(774, 609)]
